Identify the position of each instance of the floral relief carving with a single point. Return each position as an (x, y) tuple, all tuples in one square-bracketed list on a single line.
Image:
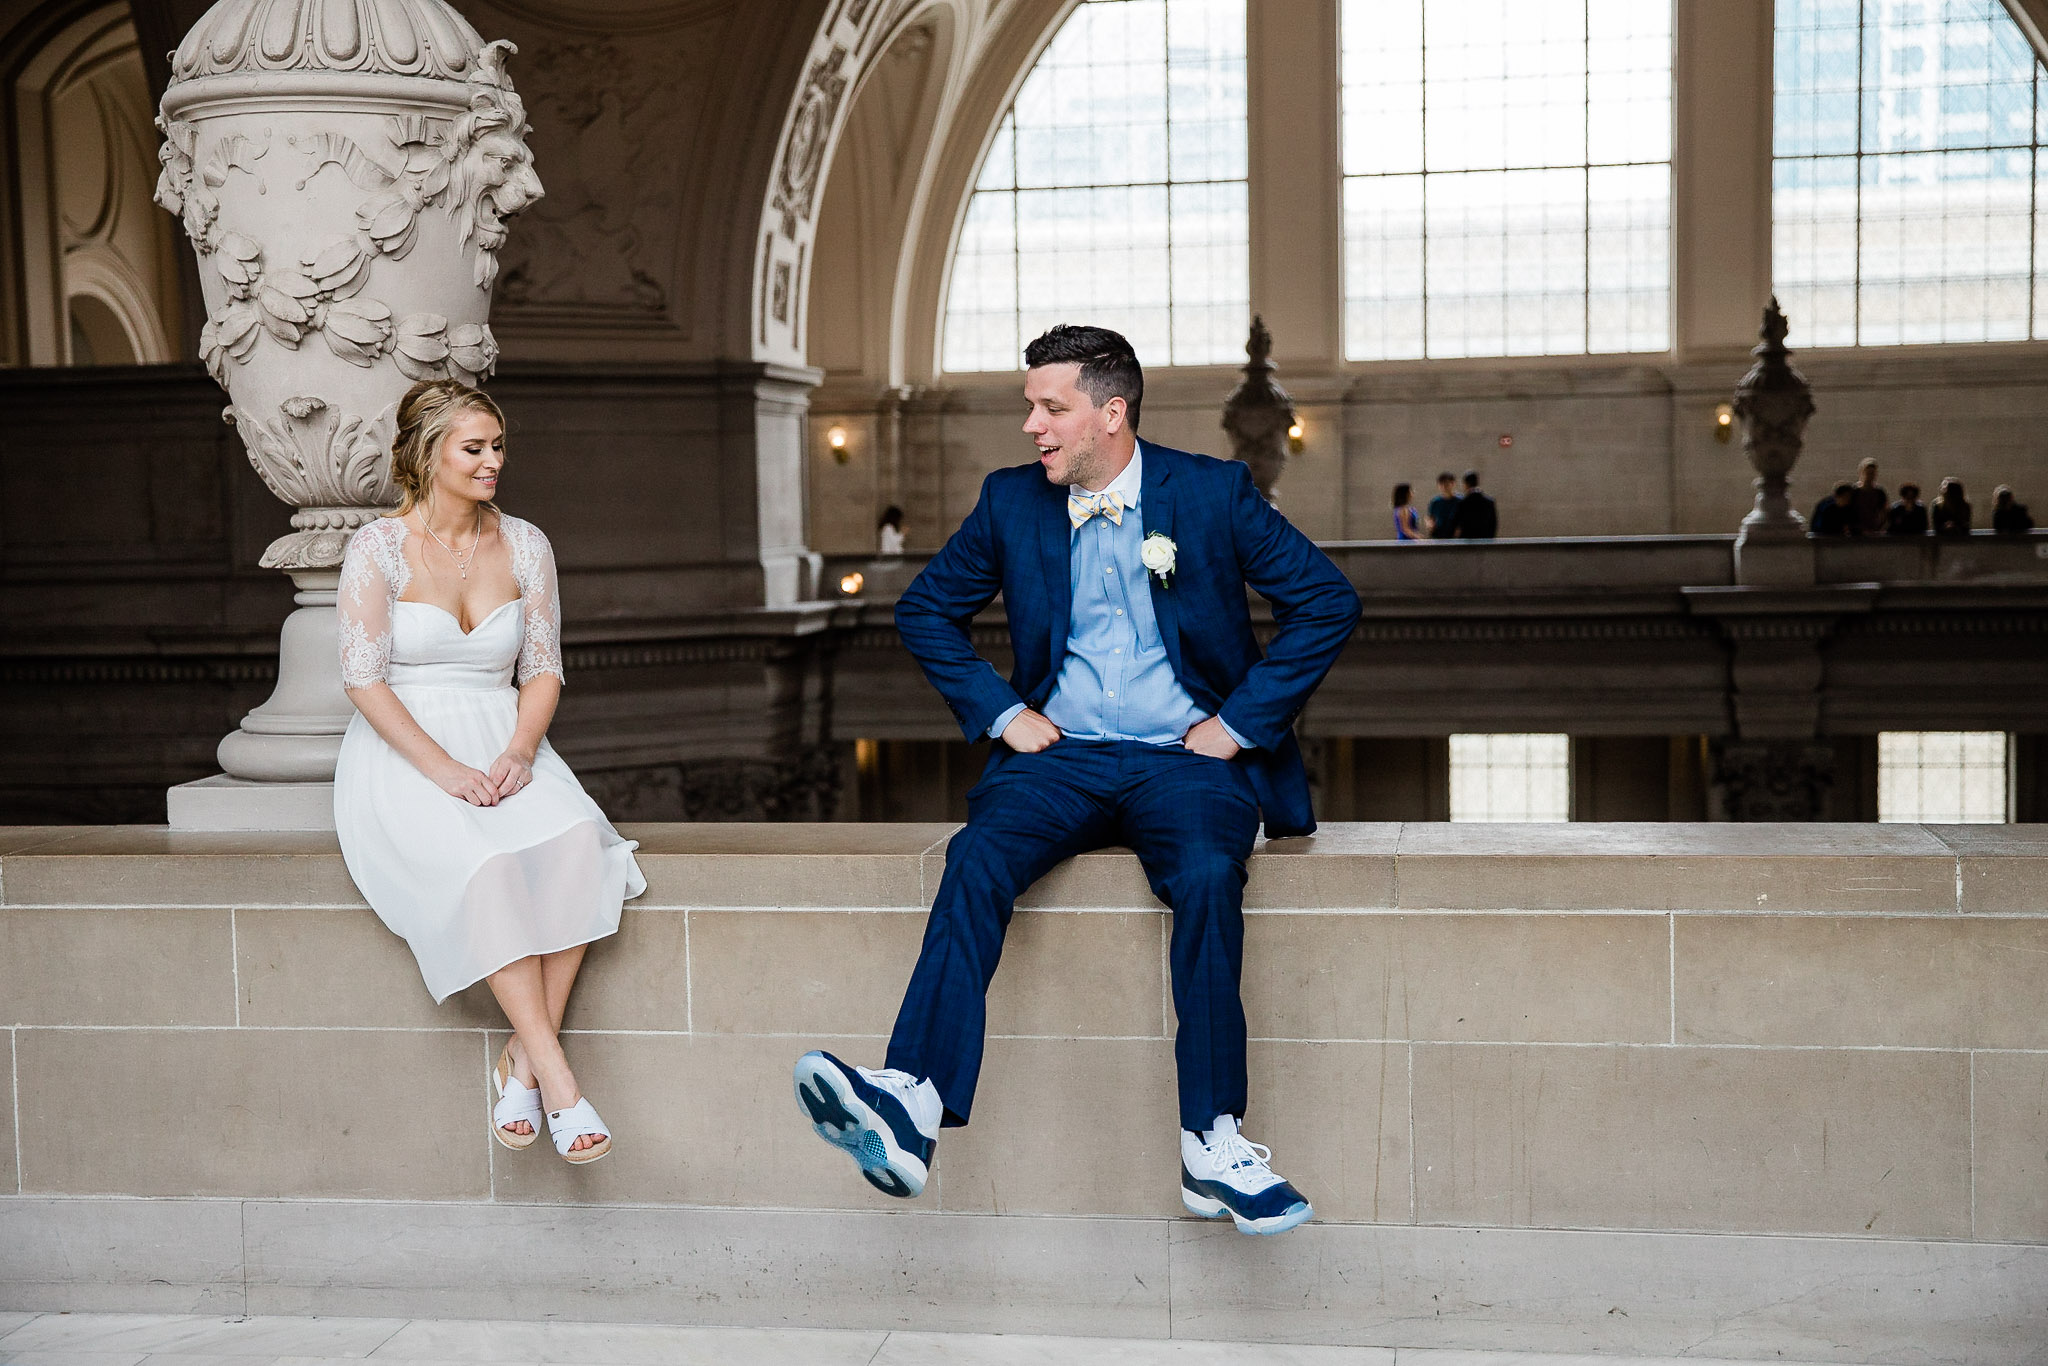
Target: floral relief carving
[(332, 465), (612, 127), (479, 164), (797, 175), (323, 297), (427, 348)]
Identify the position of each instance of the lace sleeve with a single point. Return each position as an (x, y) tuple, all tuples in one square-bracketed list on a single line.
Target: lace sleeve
[(373, 574), (533, 565)]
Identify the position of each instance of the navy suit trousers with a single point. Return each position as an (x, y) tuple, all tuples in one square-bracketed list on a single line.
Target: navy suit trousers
[(1191, 821)]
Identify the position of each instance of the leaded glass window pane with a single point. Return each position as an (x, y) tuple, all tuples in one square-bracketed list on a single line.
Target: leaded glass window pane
[(1905, 206), (1114, 192), (1507, 177), (1942, 776), (1511, 778)]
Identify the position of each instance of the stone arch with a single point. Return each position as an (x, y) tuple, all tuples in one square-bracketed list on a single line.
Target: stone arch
[(873, 192), (84, 162), (849, 40)]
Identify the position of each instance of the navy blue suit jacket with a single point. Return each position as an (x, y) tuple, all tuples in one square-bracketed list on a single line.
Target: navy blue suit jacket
[(1016, 543)]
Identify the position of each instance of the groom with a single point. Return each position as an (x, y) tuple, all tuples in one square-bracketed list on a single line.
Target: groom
[(1140, 712)]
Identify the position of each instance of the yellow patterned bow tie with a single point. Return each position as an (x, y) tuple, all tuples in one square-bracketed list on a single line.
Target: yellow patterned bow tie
[(1082, 506)]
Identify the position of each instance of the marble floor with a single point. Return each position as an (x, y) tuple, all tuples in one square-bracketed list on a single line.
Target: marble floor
[(190, 1340)]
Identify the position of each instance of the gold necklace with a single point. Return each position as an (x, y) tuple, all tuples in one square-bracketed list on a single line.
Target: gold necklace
[(461, 561)]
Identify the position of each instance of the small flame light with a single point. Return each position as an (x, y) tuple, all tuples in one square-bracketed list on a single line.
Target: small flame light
[(1296, 436), (851, 584), (1724, 422), (836, 439)]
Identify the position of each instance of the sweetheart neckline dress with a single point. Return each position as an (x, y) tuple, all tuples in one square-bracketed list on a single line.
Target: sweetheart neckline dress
[(469, 888)]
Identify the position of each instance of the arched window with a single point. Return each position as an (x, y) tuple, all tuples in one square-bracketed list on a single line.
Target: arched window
[(1114, 192), (1905, 173), (1507, 185)]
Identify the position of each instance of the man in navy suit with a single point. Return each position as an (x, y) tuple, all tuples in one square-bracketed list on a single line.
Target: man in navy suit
[(1141, 712)]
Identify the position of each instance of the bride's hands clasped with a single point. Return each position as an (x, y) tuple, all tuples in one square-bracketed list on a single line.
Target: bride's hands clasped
[(510, 772), (460, 780)]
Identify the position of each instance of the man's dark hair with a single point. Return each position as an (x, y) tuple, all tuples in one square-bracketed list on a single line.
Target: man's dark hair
[(1844, 490), (1471, 479), (1909, 491), (1109, 367), (1447, 478)]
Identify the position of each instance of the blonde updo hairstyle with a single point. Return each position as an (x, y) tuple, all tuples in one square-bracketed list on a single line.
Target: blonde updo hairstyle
[(425, 414)]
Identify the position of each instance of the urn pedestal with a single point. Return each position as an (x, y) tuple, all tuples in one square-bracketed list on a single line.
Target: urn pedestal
[(343, 169), (1773, 402)]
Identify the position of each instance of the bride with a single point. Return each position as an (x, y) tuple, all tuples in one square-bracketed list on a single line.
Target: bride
[(464, 829)]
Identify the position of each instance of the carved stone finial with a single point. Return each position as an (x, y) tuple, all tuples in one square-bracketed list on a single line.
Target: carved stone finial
[(1258, 412), (1773, 402), (1774, 330)]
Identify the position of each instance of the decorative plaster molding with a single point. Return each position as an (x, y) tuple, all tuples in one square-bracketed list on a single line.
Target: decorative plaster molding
[(381, 37)]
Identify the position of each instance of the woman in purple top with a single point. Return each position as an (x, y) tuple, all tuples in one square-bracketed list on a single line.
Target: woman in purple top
[(1407, 525)]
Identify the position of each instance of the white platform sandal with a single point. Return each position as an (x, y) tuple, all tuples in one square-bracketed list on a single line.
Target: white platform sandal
[(515, 1102), (566, 1126)]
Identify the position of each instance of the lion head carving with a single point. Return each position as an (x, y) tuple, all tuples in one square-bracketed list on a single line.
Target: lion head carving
[(491, 167)]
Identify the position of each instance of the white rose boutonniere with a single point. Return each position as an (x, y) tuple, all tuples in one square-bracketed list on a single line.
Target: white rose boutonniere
[(1157, 554)]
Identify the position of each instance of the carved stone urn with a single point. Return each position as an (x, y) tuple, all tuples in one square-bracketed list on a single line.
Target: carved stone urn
[(1258, 413), (344, 169), (1773, 402)]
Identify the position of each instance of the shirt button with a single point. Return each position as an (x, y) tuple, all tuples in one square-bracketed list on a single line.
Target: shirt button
[(1109, 569), (1112, 692), (1119, 611)]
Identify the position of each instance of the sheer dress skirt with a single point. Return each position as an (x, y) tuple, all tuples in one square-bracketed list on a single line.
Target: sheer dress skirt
[(473, 888)]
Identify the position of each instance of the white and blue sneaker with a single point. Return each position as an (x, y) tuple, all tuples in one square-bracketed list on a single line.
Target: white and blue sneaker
[(1227, 1175), (887, 1120)]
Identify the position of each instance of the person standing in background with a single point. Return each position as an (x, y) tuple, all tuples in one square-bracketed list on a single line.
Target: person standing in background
[(1832, 515), (1867, 502), (890, 532), (2009, 518), (1478, 518), (1443, 509), (1407, 525), (1908, 516), (1951, 511)]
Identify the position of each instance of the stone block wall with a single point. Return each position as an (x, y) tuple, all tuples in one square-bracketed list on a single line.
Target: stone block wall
[(1740, 1090)]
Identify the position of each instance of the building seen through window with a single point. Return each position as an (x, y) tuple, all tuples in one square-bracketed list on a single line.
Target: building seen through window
[(1943, 776), (1906, 170), (1511, 777), (1115, 189), (1507, 178)]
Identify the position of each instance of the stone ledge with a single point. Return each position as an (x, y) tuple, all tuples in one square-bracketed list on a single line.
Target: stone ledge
[(1811, 1299), (1657, 867)]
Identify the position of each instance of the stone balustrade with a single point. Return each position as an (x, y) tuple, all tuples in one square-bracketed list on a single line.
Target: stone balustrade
[(1732, 1090)]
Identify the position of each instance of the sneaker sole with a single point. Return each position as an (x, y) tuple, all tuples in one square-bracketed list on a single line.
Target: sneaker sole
[(846, 1122), (1207, 1208)]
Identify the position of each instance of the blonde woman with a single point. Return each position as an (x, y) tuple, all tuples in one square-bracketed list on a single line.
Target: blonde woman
[(464, 829)]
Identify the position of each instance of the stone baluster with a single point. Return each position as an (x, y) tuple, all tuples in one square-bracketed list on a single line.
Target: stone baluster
[(1773, 402), (344, 170), (1258, 413)]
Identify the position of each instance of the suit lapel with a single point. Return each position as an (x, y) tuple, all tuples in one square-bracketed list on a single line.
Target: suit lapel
[(1156, 506), (1055, 544)]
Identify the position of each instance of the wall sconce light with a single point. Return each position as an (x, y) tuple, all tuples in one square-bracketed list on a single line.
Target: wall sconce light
[(850, 584), (1724, 422), (836, 439), (1296, 437)]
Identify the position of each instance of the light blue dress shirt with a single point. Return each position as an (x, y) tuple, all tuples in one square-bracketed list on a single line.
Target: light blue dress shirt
[(1116, 682)]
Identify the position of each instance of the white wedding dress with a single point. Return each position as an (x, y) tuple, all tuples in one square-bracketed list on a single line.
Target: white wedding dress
[(470, 888)]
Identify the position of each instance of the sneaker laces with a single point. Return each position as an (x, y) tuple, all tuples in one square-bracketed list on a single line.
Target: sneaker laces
[(1247, 1164), (893, 1080)]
